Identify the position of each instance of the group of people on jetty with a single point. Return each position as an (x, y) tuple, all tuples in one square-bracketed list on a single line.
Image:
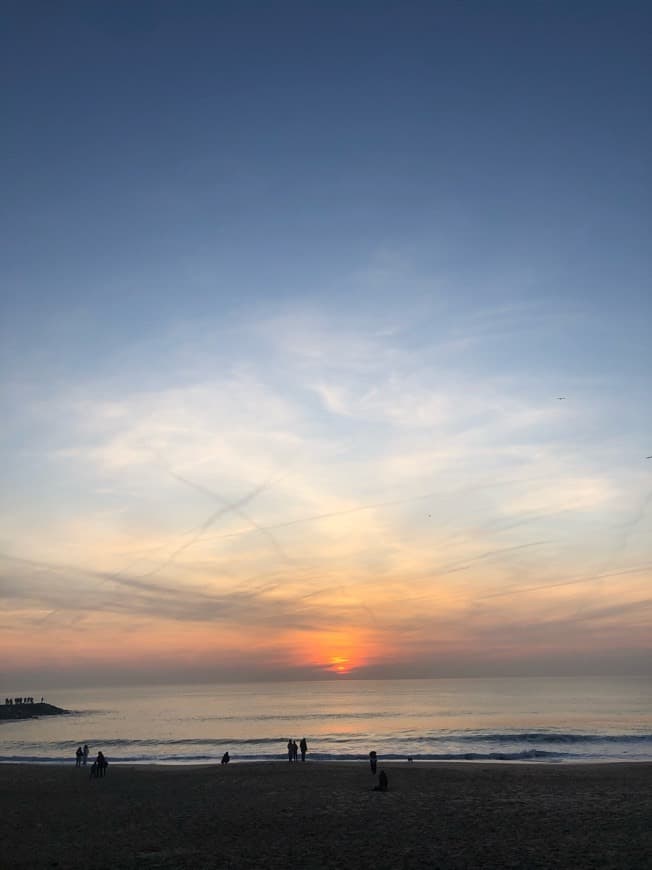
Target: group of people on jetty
[(98, 767), (10, 702)]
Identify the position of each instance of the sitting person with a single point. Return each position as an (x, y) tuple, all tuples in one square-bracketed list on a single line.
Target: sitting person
[(383, 783), (225, 758)]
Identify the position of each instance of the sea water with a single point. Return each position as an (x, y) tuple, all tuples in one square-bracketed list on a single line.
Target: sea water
[(508, 719)]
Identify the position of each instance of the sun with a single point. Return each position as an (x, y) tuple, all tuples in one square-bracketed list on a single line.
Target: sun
[(341, 653), (339, 665)]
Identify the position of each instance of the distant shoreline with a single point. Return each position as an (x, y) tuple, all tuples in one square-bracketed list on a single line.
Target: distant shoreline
[(12, 712)]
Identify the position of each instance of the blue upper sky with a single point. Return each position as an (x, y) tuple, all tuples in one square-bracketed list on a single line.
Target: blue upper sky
[(339, 201), (144, 140), (203, 160)]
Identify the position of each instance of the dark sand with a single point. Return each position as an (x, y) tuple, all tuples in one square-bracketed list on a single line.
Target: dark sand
[(325, 815)]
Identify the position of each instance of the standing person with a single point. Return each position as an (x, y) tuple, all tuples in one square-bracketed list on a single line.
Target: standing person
[(303, 746), (79, 755), (372, 761), (295, 751), (102, 764), (85, 753), (290, 750)]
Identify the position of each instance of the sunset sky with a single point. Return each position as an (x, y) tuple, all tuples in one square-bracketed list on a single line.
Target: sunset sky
[(290, 293)]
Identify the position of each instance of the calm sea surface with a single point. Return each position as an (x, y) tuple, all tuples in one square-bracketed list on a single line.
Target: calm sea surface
[(516, 719)]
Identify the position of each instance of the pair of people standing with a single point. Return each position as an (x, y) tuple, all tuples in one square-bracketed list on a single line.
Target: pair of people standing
[(82, 756), (293, 749)]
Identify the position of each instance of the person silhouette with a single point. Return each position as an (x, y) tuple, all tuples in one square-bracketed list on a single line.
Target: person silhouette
[(225, 758), (85, 754), (372, 761), (96, 766), (383, 783), (290, 750), (303, 746), (101, 763), (79, 754)]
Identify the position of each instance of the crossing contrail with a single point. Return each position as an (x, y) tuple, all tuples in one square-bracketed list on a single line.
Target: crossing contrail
[(202, 528), (198, 487)]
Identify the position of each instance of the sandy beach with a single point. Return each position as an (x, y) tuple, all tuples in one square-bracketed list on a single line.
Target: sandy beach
[(326, 815)]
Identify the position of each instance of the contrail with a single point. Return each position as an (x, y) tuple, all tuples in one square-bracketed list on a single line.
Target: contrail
[(336, 588), (209, 492), (517, 590), (630, 525), (136, 581), (167, 599), (117, 577), (438, 572), (339, 513), (626, 531), (464, 563), (437, 493), (203, 527)]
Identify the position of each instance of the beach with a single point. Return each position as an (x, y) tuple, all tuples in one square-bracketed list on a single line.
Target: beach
[(326, 815)]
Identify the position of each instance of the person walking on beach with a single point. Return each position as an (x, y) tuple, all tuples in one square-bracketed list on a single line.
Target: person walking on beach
[(79, 754), (290, 751), (303, 746), (372, 761), (85, 754)]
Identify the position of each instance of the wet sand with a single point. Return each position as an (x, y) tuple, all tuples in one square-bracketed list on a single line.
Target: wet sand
[(326, 815)]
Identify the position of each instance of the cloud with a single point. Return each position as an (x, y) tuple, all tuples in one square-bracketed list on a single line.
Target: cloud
[(339, 471)]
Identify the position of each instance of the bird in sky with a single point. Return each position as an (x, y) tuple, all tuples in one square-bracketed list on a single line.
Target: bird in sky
[(648, 457), (560, 398)]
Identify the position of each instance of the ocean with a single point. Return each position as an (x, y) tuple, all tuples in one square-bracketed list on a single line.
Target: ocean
[(540, 719)]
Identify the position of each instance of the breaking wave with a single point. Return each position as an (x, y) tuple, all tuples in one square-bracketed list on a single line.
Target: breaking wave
[(539, 746)]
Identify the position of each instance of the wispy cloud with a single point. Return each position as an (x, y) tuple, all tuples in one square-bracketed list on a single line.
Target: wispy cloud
[(335, 473)]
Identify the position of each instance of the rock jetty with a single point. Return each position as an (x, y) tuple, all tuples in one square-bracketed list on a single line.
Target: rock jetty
[(28, 711)]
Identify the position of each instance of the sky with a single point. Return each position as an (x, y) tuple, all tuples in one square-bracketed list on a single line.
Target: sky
[(324, 340)]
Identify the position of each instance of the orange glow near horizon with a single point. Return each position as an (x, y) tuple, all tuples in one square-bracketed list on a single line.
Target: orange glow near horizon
[(339, 665), (339, 652)]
